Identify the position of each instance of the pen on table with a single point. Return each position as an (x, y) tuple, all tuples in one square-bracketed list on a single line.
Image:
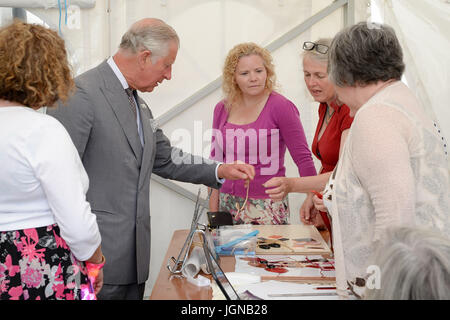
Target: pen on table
[(325, 288)]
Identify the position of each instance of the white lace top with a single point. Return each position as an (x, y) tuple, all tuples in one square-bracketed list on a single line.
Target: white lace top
[(392, 172)]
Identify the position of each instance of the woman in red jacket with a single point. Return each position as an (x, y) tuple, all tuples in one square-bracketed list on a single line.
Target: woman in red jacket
[(330, 135)]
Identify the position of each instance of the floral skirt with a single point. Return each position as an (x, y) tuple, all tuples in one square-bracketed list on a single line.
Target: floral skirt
[(37, 264), (256, 211)]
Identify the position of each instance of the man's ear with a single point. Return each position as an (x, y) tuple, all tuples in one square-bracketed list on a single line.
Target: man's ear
[(144, 58)]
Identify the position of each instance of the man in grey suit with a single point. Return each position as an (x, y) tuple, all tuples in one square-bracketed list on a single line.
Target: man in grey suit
[(120, 146)]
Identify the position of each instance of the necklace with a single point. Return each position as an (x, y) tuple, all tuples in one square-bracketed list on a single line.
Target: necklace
[(328, 115), (238, 207)]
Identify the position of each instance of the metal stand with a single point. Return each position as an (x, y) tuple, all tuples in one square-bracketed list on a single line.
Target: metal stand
[(175, 266)]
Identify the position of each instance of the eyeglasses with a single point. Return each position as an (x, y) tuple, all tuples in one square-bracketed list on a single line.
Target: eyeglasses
[(320, 48)]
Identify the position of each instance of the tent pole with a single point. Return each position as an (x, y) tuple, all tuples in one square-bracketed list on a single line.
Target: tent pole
[(19, 13), (349, 13)]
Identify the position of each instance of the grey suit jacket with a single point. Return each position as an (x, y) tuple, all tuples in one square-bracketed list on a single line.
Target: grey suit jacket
[(103, 129)]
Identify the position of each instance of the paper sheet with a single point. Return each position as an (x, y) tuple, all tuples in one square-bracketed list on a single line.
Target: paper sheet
[(324, 268), (293, 239), (195, 262), (263, 290)]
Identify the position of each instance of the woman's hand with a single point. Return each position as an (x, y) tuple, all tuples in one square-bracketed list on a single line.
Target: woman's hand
[(318, 204), (98, 283), (94, 266), (309, 215), (307, 210), (278, 188)]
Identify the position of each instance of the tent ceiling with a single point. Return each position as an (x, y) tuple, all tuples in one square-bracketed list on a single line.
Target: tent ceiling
[(46, 4)]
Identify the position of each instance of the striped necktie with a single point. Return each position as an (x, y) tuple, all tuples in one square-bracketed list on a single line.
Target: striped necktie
[(130, 94)]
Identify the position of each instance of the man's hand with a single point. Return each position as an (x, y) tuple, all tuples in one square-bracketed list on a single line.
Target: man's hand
[(236, 171)]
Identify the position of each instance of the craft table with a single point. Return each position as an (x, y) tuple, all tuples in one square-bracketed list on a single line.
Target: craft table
[(168, 287)]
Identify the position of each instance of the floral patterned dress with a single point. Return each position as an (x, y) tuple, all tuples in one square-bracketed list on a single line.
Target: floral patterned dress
[(37, 264), (256, 211)]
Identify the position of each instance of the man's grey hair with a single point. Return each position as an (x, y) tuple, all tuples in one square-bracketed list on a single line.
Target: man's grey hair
[(365, 54), (414, 264), (154, 37), (313, 54)]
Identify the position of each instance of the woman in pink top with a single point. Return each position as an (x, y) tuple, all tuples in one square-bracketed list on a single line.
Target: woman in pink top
[(254, 124)]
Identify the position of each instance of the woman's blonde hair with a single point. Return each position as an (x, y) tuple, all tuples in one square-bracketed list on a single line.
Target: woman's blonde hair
[(230, 88), (33, 65)]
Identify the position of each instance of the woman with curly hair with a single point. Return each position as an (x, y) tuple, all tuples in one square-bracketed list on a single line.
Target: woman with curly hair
[(49, 238), (254, 124)]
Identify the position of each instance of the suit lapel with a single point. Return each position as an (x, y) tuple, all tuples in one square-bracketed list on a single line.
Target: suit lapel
[(118, 100), (147, 162)]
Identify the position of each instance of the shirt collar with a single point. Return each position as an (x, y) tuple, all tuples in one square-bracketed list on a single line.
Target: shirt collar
[(117, 72)]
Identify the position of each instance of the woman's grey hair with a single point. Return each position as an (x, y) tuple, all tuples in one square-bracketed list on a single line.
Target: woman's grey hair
[(414, 264), (313, 54), (365, 54), (154, 37)]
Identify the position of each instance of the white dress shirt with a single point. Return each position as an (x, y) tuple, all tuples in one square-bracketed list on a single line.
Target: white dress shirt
[(42, 180), (125, 85)]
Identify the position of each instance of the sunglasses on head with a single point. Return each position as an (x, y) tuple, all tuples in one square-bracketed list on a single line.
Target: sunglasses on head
[(320, 48)]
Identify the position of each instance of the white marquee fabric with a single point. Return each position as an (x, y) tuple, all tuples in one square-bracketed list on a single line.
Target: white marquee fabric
[(423, 27)]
